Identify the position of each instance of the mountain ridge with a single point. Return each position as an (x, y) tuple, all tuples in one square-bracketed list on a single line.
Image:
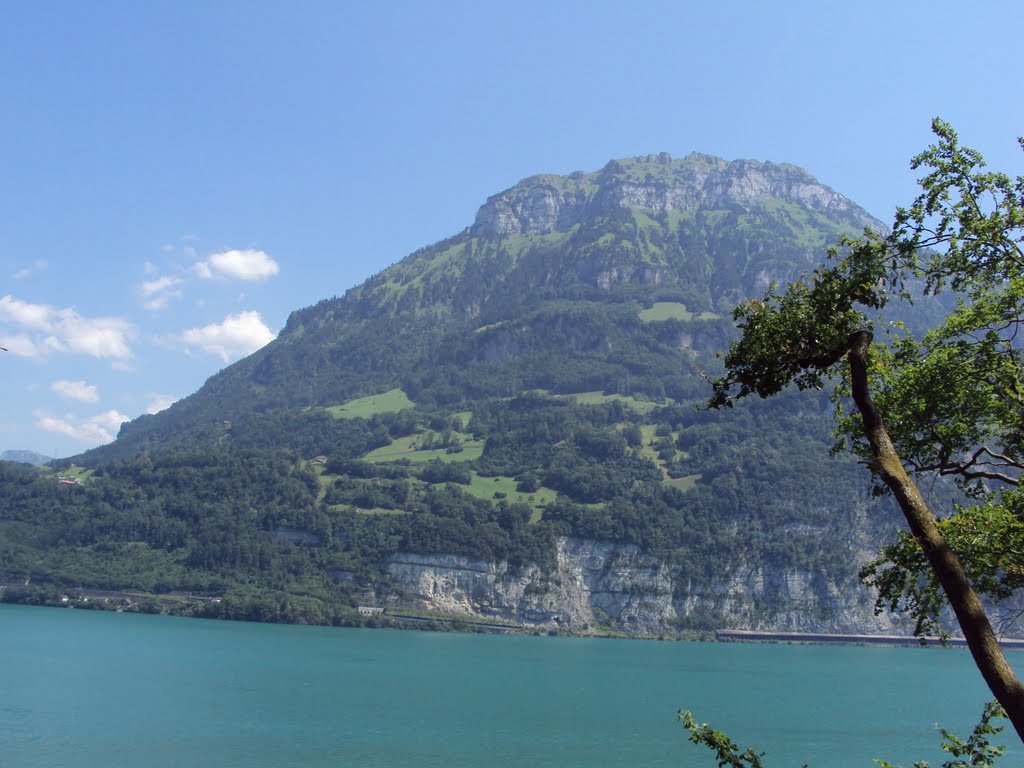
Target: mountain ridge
[(25, 457), (545, 203)]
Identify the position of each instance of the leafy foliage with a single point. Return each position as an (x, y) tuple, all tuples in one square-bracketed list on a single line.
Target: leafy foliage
[(952, 398), (976, 751), (726, 751)]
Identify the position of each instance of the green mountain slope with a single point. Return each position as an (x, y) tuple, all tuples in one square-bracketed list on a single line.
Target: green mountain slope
[(504, 424), (547, 289)]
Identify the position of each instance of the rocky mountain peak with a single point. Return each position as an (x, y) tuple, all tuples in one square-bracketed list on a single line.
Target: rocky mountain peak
[(657, 183)]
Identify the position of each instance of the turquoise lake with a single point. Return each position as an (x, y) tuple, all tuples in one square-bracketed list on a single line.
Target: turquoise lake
[(101, 690)]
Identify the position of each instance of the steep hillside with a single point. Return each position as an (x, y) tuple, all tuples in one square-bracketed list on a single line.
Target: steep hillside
[(552, 287), (505, 424)]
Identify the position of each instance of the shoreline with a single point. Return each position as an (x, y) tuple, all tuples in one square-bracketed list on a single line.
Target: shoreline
[(110, 600), (823, 638)]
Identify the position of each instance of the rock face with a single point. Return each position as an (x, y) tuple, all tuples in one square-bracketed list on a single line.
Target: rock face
[(604, 584), (657, 183)]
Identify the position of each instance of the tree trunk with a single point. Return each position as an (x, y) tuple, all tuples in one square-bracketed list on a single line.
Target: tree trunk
[(970, 613)]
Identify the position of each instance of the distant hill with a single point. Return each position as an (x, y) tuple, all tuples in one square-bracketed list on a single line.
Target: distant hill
[(25, 457), (505, 424)]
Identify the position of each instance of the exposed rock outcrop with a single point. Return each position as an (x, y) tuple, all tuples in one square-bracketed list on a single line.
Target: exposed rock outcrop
[(601, 583), (547, 203)]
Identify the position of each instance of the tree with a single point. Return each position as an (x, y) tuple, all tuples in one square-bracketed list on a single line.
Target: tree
[(952, 398)]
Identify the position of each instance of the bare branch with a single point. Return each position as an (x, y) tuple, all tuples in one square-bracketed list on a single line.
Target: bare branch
[(973, 468)]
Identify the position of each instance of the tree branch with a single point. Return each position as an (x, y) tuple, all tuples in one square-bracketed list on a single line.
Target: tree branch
[(945, 466)]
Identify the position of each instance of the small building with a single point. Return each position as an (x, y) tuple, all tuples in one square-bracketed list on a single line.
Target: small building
[(369, 610)]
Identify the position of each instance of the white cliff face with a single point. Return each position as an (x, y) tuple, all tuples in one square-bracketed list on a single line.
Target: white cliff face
[(540, 209), (599, 583), (765, 598)]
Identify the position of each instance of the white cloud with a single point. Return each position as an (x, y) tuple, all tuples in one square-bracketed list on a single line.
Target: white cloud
[(158, 292), (98, 336), (76, 390), (112, 420), (50, 344), (158, 402), (236, 336), (36, 266), (38, 317), (159, 285), (95, 430), (21, 345), (242, 265), (64, 330)]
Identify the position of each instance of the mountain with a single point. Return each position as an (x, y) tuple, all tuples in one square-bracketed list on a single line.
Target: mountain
[(584, 254), (25, 457), (505, 424)]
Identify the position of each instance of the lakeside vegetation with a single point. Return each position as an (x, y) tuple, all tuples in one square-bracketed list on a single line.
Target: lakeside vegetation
[(278, 536)]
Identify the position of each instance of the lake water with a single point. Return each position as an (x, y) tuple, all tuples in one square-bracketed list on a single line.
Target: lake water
[(101, 690)]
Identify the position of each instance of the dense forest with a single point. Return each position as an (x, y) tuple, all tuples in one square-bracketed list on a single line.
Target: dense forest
[(305, 526)]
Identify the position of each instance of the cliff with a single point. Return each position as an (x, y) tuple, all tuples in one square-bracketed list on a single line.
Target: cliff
[(599, 584)]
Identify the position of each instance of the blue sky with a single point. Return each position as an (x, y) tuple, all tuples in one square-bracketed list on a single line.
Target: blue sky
[(176, 177)]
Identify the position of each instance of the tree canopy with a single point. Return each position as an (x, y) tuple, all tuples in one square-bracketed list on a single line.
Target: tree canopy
[(948, 402)]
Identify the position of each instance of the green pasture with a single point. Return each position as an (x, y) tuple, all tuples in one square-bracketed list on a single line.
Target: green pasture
[(323, 480), (672, 310), (79, 473), (596, 398), (486, 487), (647, 450), (408, 448), (374, 511), (682, 483), (364, 407)]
